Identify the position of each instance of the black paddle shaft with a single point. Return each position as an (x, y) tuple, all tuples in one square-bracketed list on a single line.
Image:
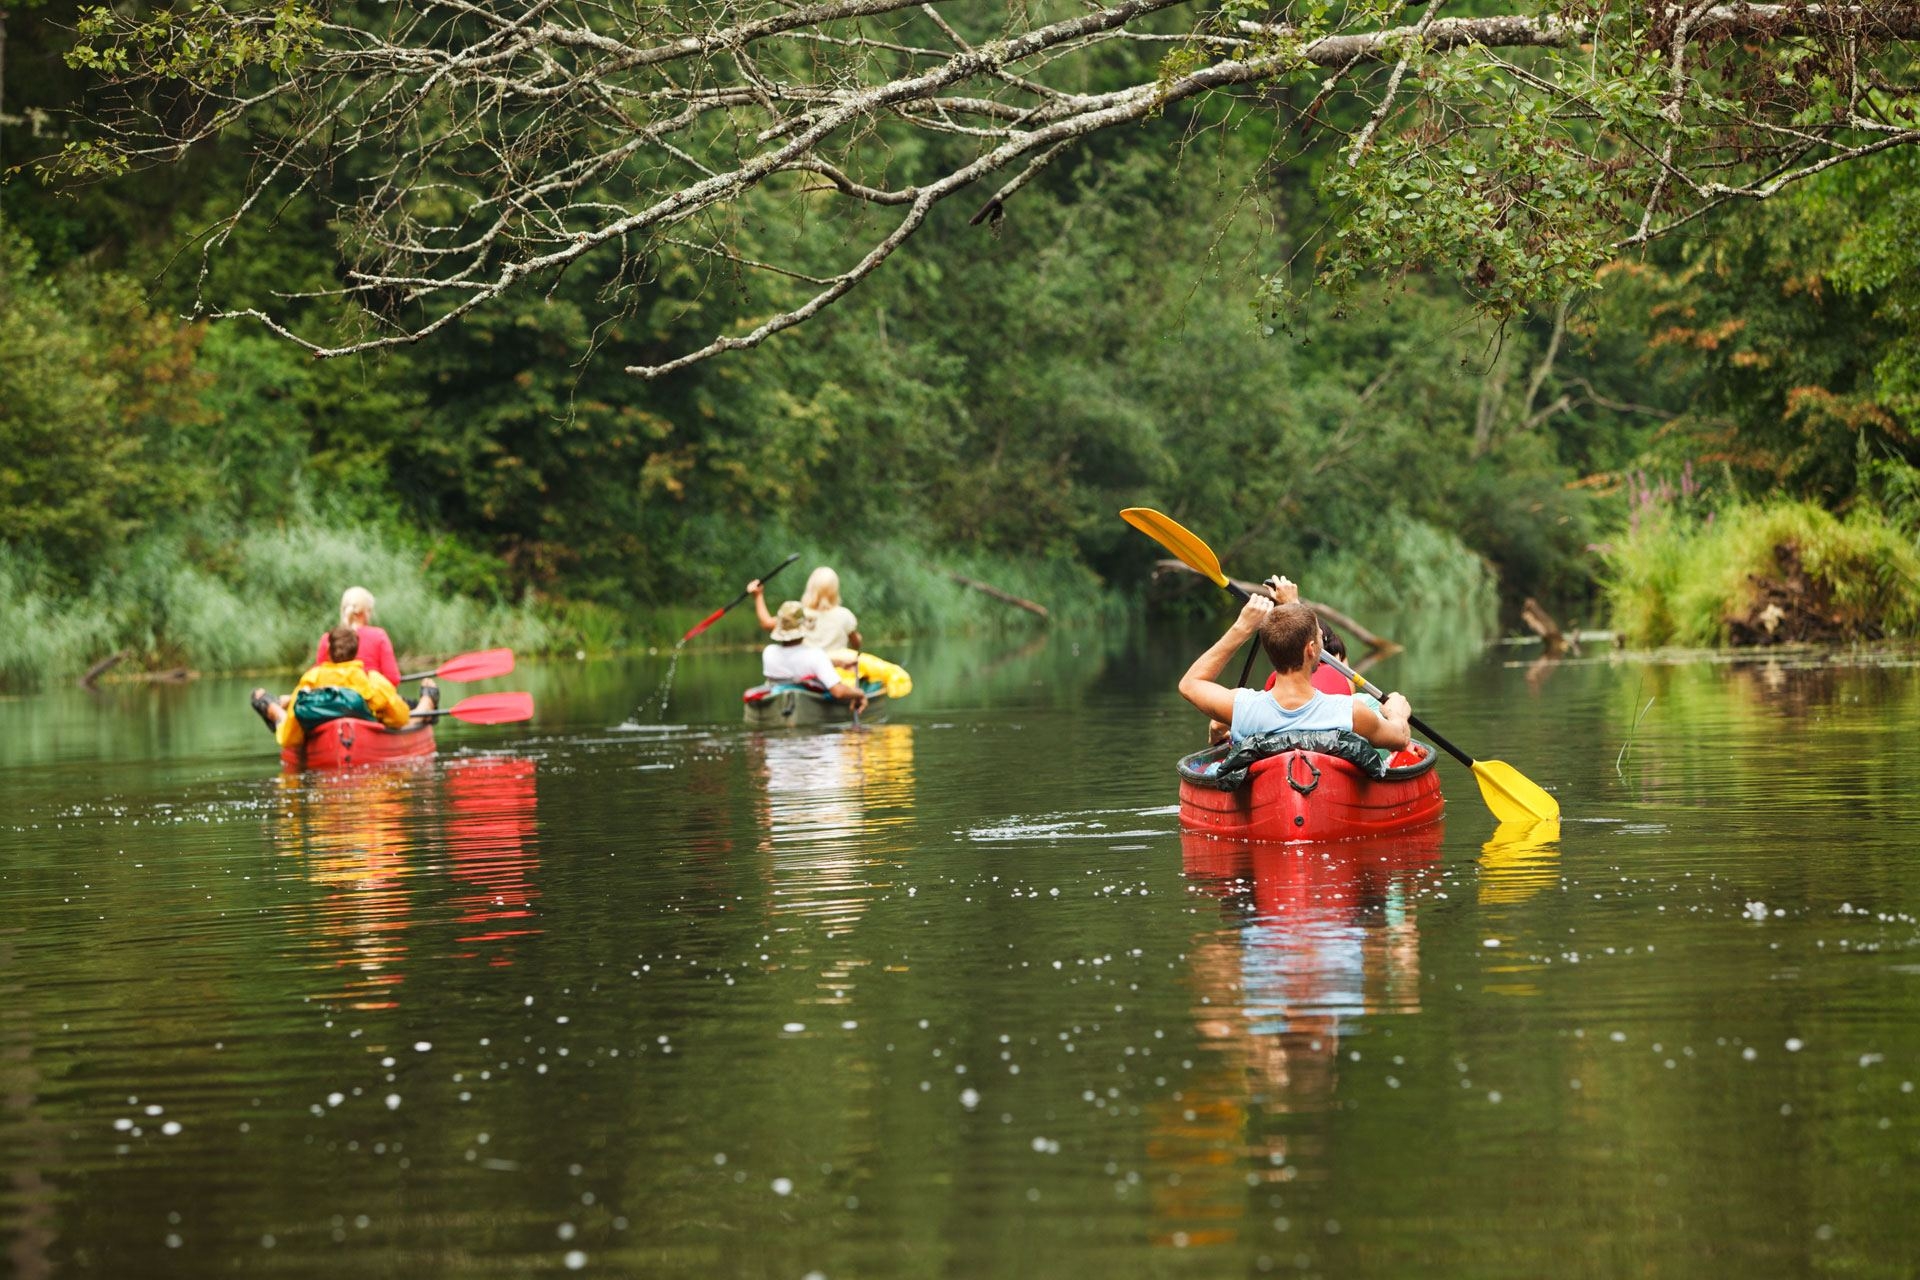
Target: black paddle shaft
[(762, 579)]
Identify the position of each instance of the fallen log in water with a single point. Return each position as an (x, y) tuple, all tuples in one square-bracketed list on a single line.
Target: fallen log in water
[(1038, 609), (103, 666)]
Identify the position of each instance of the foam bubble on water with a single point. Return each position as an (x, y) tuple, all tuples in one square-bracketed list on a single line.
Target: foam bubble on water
[(783, 1186)]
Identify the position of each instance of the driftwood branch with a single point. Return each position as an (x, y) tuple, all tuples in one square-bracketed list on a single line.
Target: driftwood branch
[(1541, 623), (1038, 610), (1380, 644), (105, 664)]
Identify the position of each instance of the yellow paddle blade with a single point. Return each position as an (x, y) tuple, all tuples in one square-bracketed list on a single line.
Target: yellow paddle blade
[(1512, 795), (1175, 537)]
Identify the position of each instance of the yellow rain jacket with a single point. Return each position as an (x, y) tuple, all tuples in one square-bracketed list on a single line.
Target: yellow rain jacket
[(383, 701), (875, 671)]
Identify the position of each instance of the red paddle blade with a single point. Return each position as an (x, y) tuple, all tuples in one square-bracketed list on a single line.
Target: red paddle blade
[(484, 665), (703, 624), (493, 708)]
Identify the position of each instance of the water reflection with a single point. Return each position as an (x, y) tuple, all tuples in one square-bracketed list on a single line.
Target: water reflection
[(349, 832), (1519, 860), (490, 828), (833, 807), (1322, 936), (371, 841)]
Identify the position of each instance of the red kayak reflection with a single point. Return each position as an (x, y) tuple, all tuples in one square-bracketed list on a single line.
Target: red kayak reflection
[(490, 828), (376, 844), (1320, 937)]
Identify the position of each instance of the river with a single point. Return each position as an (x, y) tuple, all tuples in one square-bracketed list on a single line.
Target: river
[(640, 996)]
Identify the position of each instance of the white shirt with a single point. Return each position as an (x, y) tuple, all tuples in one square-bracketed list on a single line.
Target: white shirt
[(792, 663), (833, 629)]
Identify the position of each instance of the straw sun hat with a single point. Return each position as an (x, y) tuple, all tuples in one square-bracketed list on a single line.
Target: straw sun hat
[(791, 622)]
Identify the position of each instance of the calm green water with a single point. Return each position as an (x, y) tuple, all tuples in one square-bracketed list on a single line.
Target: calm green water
[(950, 996)]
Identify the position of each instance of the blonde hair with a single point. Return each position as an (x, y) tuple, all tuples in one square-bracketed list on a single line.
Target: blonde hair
[(355, 602), (823, 589)]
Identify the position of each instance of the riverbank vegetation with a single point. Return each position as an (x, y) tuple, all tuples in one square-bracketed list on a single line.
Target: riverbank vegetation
[(1133, 330), (1765, 573)]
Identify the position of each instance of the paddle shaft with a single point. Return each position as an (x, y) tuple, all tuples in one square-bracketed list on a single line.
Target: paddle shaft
[(1366, 686), (719, 613)]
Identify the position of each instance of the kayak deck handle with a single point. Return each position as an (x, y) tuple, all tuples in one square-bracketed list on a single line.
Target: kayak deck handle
[(1304, 788)]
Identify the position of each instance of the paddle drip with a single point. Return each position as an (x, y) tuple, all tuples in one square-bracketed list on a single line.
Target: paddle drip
[(665, 691)]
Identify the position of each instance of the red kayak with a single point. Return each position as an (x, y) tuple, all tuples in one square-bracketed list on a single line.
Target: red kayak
[(1299, 794), (338, 744)]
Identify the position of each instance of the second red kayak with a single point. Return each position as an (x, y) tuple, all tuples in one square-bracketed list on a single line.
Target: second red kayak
[(338, 744), (1301, 794)]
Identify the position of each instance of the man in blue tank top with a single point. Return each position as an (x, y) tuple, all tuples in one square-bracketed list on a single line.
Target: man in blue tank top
[(1290, 634)]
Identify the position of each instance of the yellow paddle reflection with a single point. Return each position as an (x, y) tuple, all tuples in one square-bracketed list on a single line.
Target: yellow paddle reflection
[(1519, 860)]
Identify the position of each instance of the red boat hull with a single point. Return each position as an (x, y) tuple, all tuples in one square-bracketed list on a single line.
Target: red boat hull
[(1302, 795), (340, 744)]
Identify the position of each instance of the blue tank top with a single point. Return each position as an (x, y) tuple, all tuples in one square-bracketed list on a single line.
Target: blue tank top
[(1255, 711)]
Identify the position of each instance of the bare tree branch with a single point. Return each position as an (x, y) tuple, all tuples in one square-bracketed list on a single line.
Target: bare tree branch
[(465, 149)]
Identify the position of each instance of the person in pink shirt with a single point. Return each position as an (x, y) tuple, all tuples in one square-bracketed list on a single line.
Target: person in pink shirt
[(376, 650)]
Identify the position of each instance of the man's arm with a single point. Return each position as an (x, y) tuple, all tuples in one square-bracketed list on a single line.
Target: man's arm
[(837, 686), (1386, 727), (1199, 685), (845, 692)]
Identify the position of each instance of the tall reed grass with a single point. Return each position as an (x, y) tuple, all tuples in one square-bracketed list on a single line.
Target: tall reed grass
[(1675, 580), (224, 599)]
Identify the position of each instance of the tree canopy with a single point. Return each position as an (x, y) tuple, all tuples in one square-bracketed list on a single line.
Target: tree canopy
[(466, 151)]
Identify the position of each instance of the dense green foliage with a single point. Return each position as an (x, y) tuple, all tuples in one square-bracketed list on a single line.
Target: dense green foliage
[(985, 407), (1687, 582)]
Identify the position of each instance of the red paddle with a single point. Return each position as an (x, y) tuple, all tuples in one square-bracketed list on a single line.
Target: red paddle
[(717, 614), (487, 708), (484, 665)]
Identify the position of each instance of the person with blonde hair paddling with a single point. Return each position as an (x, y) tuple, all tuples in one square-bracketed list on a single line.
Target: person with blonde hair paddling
[(830, 625)]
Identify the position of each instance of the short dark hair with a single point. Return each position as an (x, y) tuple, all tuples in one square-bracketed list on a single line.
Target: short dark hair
[(1285, 633), (343, 643), (1330, 642)]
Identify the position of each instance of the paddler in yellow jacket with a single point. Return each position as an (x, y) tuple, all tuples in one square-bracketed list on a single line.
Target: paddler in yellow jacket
[(340, 688)]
